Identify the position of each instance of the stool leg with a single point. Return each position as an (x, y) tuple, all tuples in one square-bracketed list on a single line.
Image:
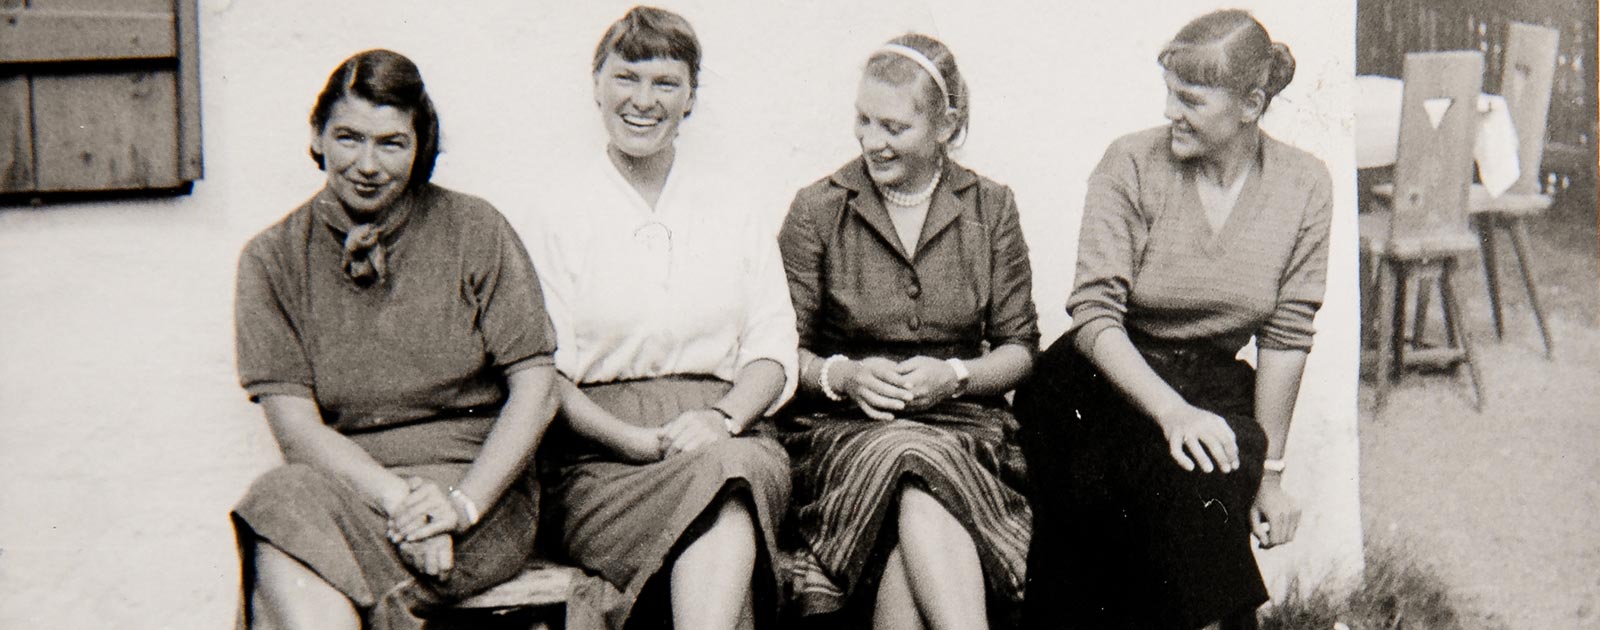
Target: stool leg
[(1491, 269), (1452, 309), (1371, 296), (1402, 281), (1519, 244), (1382, 323), (1419, 320)]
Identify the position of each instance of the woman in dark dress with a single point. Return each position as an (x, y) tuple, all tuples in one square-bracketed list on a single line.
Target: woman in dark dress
[(1154, 453), (911, 287), (394, 333)]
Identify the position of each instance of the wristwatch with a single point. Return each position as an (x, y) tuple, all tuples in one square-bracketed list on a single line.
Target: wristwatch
[(962, 375)]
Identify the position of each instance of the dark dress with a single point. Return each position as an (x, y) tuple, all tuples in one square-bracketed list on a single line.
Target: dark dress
[(857, 293), (412, 369), (1125, 537)]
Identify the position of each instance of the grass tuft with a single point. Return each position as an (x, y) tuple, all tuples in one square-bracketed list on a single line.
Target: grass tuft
[(1398, 591)]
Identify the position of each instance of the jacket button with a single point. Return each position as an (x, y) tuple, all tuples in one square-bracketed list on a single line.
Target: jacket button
[(916, 322), (915, 290)]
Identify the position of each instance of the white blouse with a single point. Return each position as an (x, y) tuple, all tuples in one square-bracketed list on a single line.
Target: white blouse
[(693, 286)]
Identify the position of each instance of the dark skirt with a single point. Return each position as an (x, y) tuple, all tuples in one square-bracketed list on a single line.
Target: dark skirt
[(1125, 538), (325, 524), (623, 521), (848, 475)]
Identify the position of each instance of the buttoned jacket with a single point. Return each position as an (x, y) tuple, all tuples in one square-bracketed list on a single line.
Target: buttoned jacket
[(857, 292)]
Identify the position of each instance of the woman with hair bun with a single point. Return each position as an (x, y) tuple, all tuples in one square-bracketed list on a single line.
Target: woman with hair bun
[(1155, 454), (912, 291)]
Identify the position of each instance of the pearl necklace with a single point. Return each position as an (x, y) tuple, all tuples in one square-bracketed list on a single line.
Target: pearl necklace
[(911, 200)]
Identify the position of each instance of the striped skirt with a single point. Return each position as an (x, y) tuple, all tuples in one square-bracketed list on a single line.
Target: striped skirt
[(847, 479)]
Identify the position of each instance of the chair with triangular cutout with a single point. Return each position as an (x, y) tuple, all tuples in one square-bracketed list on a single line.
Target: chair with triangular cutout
[(1526, 76), (1422, 229)]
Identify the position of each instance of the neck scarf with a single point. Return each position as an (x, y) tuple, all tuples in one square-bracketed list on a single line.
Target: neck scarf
[(364, 261)]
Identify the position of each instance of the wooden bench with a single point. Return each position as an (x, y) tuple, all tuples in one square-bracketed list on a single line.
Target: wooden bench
[(530, 601)]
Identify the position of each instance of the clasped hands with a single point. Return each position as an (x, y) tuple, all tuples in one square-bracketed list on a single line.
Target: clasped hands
[(421, 524), (1197, 438), (881, 387), (691, 430)]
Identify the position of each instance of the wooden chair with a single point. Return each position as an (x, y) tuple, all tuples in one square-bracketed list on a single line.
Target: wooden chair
[(1423, 229), (1526, 76)]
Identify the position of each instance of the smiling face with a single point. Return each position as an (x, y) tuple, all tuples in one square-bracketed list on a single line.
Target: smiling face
[(367, 151), (1207, 120), (901, 145), (643, 102)]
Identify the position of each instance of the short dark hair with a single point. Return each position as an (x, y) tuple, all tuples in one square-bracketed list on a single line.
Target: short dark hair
[(898, 70), (651, 33), (384, 77), (1229, 49)]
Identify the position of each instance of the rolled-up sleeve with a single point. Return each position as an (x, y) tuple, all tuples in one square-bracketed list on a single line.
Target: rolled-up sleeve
[(270, 356), (1012, 317), (1108, 242), (1304, 282), (770, 331)]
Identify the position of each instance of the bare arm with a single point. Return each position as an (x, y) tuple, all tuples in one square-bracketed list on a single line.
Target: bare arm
[(529, 406), (1195, 437), (594, 423), (757, 385), (304, 439), (1275, 516)]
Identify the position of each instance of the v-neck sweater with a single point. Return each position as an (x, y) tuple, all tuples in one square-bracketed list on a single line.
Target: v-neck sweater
[(1150, 262)]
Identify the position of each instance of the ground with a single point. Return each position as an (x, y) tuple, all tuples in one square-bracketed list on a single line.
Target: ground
[(1503, 502)]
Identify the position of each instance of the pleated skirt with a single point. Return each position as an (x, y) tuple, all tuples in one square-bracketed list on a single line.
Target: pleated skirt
[(325, 524), (623, 522)]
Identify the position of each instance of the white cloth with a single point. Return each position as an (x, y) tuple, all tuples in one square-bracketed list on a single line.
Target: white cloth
[(693, 286), (1378, 102)]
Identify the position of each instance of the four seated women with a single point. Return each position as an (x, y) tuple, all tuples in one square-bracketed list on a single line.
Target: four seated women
[(396, 335)]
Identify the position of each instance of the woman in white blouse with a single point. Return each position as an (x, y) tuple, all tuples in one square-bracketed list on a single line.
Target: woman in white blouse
[(675, 334)]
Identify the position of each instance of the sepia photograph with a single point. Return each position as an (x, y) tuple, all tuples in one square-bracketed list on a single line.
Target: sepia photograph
[(938, 314)]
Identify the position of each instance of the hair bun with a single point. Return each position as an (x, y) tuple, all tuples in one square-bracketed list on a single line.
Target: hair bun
[(1282, 69)]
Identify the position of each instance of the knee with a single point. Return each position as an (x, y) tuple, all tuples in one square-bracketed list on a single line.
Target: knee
[(918, 507), (298, 481), (752, 456)]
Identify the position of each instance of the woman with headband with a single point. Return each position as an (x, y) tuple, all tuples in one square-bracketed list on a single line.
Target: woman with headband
[(1156, 453), (676, 339), (912, 293)]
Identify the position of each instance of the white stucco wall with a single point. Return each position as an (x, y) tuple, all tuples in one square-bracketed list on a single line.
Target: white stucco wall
[(124, 438)]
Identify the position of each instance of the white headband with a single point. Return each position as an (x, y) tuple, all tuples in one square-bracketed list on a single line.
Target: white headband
[(926, 63)]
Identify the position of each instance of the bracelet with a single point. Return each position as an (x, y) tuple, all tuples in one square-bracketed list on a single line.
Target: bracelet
[(1273, 465), (465, 505), (822, 377), (727, 421)]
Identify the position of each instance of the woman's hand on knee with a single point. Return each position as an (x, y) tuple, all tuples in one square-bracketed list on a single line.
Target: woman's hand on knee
[(1199, 438), (1275, 517), (433, 556), (426, 512), (876, 386), (691, 430)]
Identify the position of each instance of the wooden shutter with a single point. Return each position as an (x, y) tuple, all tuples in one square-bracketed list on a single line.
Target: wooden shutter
[(98, 95)]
